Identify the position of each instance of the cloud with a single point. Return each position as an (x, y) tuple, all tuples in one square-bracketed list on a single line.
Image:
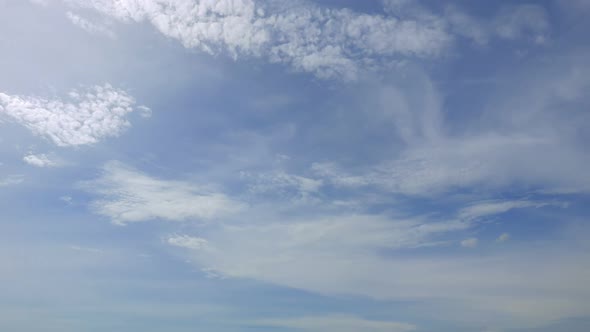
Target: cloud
[(524, 140), (67, 199), (11, 180), (486, 208), (326, 42), (338, 252), (354, 256), (40, 160), (282, 184), (88, 26), (469, 243), (515, 21), (503, 237), (85, 117), (510, 23), (188, 242), (333, 323), (131, 196), (483, 161)]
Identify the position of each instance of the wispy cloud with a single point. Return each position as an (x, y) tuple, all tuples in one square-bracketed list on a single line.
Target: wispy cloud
[(333, 323), (348, 254), (470, 242), (11, 180), (89, 26), (128, 195)]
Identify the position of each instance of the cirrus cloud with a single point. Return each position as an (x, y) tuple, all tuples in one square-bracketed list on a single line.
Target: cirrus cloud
[(131, 196)]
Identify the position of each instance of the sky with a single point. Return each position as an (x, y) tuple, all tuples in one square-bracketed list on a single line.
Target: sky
[(296, 166)]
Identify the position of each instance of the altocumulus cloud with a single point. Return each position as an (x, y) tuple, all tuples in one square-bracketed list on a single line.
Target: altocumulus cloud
[(325, 42), (84, 117), (328, 42)]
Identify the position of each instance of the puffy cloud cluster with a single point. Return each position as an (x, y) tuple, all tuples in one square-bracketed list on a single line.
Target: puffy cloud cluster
[(40, 160), (85, 117)]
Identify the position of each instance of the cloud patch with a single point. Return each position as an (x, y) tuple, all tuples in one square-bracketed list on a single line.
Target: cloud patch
[(128, 195), (89, 26), (470, 242), (40, 160), (11, 180), (84, 117), (330, 43)]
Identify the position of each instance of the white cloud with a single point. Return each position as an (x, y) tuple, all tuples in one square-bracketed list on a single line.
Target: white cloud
[(67, 199), (88, 26), (481, 161), (525, 139), (40, 160), (351, 257), (189, 242), (328, 42), (131, 196), (322, 41), (85, 117), (470, 242), (515, 21), (336, 323), (511, 23), (280, 183), (11, 180), (486, 208), (357, 254), (503, 237)]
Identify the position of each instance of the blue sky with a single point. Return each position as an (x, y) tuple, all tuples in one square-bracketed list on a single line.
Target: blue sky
[(311, 166)]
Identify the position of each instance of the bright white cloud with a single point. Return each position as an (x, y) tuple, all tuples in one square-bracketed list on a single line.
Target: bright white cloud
[(131, 196), (40, 160), (85, 117), (336, 323)]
